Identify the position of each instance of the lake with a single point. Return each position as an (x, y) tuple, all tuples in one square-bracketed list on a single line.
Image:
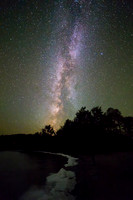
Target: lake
[(22, 173)]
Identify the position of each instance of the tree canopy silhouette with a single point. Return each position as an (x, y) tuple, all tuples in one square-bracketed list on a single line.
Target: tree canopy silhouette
[(92, 125), (96, 122), (47, 131)]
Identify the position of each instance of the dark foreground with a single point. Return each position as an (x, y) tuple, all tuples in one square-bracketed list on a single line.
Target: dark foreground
[(19, 172), (105, 169), (99, 177), (109, 177)]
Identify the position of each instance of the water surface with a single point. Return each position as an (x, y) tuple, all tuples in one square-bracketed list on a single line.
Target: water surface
[(21, 171)]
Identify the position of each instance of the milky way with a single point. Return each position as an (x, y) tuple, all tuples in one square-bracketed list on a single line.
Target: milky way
[(63, 89)]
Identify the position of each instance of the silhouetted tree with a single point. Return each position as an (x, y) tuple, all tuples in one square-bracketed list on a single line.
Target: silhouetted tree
[(97, 114), (97, 119), (82, 122), (67, 129), (114, 121), (83, 116), (48, 131)]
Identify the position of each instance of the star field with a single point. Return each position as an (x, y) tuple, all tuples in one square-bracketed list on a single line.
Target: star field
[(57, 56)]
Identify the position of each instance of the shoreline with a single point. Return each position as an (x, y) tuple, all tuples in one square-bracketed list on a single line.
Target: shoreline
[(58, 185), (71, 161), (108, 176)]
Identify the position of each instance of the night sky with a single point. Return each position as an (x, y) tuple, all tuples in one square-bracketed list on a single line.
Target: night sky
[(59, 55)]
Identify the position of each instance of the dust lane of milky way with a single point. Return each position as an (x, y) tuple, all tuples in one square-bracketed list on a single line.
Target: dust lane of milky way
[(63, 88), (65, 75)]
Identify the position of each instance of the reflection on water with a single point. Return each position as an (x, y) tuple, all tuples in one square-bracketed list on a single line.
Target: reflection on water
[(20, 171)]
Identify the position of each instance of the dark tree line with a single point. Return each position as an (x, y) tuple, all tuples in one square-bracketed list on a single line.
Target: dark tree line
[(46, 131), (93, 123), (91, 131)]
